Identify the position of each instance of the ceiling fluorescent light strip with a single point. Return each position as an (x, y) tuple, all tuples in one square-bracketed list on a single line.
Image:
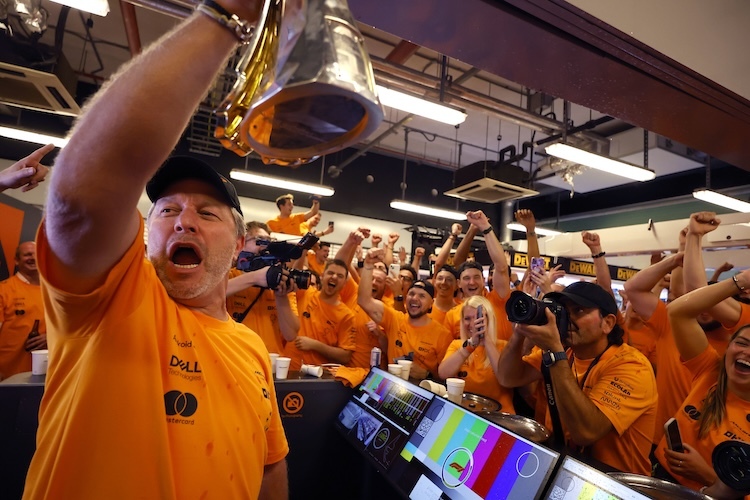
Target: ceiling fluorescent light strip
[(539, 230), (599, 162), (420, 106), (98, 7), (722, 200), (425, 210), (28, 136), (264, 180)]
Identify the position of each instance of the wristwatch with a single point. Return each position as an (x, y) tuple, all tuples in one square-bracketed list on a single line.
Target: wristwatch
[(549, 358)]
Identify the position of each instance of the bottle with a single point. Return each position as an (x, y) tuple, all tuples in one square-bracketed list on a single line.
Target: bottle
[(375, 357), (34, 332)]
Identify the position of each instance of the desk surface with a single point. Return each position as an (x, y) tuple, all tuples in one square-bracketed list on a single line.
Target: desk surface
[(25, 378)]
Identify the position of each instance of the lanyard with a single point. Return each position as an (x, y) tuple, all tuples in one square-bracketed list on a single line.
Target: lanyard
[(593, 363)]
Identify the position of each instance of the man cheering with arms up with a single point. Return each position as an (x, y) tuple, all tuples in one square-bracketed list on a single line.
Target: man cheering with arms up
[(152, 391)]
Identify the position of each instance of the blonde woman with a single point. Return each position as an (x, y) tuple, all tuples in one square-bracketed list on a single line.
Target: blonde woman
[(474, 356)]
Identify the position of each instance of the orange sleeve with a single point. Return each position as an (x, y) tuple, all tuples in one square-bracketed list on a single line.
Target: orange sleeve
[(347, 334)]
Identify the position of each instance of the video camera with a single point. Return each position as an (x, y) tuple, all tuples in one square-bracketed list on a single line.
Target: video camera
[(276, 254), (525, 309)]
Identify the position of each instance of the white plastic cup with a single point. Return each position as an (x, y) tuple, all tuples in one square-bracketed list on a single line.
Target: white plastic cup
[(394, 369), (455, 388), (39, 361), (405, 368), (315, 371), (282, 367), (274, 356), (432, 386)]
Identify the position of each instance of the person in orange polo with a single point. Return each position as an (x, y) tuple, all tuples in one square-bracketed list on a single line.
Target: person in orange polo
[(604, 390)]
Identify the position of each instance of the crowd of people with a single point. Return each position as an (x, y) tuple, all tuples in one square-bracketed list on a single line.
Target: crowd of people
[(121, 418)]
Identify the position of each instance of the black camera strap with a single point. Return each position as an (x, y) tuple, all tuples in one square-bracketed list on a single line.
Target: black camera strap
[(241, 317), (558, 435)]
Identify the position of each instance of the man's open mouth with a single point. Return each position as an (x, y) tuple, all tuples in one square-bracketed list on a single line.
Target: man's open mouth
[(185, 257)]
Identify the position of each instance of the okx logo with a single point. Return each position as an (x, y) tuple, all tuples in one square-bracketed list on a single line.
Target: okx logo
[(179, 403)]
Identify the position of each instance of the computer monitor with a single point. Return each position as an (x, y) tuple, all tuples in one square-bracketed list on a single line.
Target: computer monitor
[(575, 480), (429, 447)]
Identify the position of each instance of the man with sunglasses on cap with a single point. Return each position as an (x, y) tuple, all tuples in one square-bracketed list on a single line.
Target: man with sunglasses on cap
[(411, 335), (152, 391), (603, 390)]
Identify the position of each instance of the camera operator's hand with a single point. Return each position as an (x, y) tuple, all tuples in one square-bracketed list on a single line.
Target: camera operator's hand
[(545, 337), (286, 286), (376, 239)]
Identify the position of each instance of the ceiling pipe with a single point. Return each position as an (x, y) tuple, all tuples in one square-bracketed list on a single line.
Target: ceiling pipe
[(131, 27), (456, 94)]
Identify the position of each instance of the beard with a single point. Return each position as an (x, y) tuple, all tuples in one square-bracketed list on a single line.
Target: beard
[(216, 265), (417, 314)]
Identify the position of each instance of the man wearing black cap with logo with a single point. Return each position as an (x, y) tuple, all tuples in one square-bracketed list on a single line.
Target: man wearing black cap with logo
[(413, 334), (152, 390), (603, 391)]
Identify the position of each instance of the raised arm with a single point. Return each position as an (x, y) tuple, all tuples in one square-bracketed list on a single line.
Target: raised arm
[(372, 306), (349, 247), (27, 172), (701, 223), (445, 251), (601, 269), (462, 252), (526, 218), (416, 262), (501, 278), (688, 334), (91, 216), (392, 239), (314, 210), (639, 287)]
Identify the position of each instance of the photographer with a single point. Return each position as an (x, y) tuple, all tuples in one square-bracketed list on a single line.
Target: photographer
[(603, 391), (272, 314)]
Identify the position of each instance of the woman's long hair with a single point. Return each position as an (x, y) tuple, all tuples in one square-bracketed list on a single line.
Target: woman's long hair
[(714, 406), (490, 333)]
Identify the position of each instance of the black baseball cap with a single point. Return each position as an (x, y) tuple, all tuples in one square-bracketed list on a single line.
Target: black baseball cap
[(177, 168), (424, 285), (587, 294)]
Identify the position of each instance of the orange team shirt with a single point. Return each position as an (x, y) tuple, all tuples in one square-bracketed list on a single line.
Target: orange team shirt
[(312, 263), (439, 315), (147, 398), (622, 386), (428, 343), (640, 337), (735, 425), (289, 225), (480, 377), (263, 317), (331, 324), (719, 339), (452, 319), (365, 340), (20, 305), (672, 378)]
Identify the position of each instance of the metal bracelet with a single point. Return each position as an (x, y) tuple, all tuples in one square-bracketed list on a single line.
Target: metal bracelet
[(241, 29)]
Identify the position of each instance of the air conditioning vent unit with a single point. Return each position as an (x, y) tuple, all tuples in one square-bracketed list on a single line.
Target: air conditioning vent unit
[(488, 182), (44, 86)]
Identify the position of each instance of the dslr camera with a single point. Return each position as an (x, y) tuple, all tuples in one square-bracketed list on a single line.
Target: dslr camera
[(275, 256), (524, 309)]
